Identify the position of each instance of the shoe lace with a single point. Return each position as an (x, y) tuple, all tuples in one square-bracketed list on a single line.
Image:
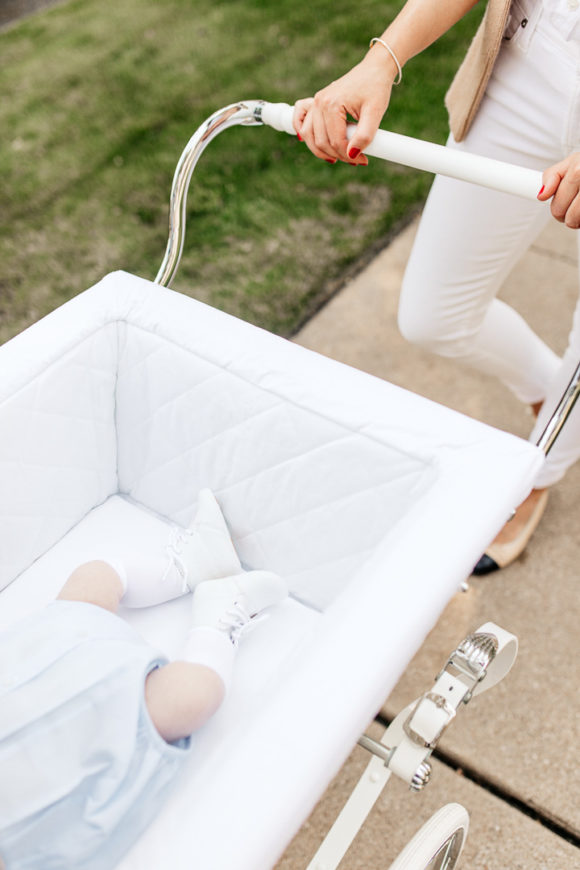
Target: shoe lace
[(174, 549), (237, 621)]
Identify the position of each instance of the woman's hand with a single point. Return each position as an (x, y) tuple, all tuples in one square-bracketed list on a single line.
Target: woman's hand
[(363, 93), (562, 182)]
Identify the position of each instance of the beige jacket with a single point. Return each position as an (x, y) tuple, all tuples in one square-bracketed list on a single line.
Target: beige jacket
[(468, 86)]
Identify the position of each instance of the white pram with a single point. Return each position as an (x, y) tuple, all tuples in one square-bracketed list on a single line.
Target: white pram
[(117, 408)]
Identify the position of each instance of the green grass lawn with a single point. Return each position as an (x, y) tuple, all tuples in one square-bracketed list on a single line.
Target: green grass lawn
[(97, 100)]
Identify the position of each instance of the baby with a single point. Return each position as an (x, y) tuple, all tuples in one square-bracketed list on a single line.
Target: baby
[(95, 724)]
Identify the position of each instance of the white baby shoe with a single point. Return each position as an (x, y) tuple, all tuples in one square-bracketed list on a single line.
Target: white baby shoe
[(205, 550), (231, 603)]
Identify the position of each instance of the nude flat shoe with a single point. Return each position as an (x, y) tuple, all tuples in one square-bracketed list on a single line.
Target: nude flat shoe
[(501, 555)]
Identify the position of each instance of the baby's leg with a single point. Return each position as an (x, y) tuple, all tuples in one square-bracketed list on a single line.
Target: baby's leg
[(94, 583), (181, 697)]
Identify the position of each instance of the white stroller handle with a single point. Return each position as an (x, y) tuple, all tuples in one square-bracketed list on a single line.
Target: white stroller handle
[(505, 177)]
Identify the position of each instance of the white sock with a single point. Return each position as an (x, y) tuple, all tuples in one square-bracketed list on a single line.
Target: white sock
[(212, 648), (119, 567), (148, 580)]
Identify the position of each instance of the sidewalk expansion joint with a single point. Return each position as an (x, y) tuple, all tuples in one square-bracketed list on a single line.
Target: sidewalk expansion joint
[(469, 773), (547, 252)]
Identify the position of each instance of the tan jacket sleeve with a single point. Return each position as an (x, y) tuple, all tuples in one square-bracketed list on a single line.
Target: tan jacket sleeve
[(468, 86)]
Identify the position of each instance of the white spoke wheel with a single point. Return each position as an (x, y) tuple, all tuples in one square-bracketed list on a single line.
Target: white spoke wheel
[(438, 844)]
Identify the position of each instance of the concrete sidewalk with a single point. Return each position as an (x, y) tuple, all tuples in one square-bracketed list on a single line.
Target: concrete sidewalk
[(511, 756)]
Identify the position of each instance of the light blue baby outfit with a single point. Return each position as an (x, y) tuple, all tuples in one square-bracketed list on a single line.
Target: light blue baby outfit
[(82, 768)]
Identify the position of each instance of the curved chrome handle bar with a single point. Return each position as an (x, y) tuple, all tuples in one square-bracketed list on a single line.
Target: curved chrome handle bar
[(249, 113)]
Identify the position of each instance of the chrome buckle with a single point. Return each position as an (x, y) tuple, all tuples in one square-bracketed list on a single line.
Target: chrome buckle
[(439, 702), (472, 658)]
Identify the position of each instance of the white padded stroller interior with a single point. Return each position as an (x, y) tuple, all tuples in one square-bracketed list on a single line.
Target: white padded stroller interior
[(305, 495), (116, 409), (58, 455)]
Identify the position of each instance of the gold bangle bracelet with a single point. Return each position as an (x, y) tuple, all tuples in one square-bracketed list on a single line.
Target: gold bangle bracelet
[(399, 78)]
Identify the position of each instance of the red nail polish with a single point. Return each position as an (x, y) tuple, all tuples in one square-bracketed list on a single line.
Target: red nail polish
[(332, 162), (353, 153), (542, 190)]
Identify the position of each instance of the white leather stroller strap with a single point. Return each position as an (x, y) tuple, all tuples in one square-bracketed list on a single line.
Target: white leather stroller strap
[(415, 731), (481, 661)]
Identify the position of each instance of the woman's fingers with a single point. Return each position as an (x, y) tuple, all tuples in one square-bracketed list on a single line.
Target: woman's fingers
[(301, 108), (366, 129), (563, 198), (562, 185), (319, 130), (551, 179), (322, 121), (572, 217), (314, 136), (323, 128), (325, 125), (305, 121), (335, 120), (562, 206)]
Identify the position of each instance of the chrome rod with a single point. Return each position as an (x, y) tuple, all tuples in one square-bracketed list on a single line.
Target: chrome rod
[(248, 113), (379, 749), (561, 414)]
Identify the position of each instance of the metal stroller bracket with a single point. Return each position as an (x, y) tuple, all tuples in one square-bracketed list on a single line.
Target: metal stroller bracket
[(480, 661)]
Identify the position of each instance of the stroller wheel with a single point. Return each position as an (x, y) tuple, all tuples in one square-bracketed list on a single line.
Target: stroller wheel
[(438, 844)]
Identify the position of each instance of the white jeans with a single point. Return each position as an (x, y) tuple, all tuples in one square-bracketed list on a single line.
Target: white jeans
[(469, 238)]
